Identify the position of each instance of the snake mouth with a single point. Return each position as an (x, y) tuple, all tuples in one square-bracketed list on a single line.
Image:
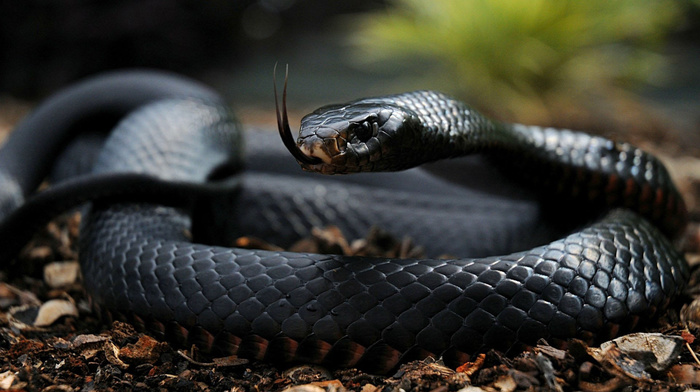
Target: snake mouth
[(283, 123)]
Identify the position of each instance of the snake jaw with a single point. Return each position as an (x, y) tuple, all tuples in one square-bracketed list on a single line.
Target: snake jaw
[(327, 151), (314, 149)]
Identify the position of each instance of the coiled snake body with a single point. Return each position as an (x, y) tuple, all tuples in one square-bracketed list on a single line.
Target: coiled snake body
[(176, 152)]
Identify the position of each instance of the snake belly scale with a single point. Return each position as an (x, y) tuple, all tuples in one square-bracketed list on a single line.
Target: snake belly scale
[(139, 260)]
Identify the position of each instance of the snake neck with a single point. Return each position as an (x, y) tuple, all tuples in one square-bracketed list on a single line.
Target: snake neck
[(594, 172), (560, 163), (437, 126)]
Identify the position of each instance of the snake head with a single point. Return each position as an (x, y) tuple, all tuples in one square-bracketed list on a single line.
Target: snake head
[(372, 134), (350, 138)]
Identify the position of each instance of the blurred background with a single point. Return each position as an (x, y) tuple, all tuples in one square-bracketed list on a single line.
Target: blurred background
[(626, 67), (543, 61)]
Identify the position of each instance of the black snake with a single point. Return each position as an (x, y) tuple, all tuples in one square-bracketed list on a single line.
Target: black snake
[(170, 171)]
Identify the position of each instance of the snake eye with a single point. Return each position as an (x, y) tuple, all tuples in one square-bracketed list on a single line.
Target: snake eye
[(365, 130)]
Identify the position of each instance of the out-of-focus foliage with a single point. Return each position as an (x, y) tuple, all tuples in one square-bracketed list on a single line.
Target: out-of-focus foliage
[(519, 59)]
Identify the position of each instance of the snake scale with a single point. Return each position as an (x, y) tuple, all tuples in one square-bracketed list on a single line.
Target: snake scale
[(169, 150)]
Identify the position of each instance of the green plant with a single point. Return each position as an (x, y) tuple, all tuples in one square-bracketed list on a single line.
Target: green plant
[(516, 57)]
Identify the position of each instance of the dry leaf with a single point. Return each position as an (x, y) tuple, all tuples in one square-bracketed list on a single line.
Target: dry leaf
[(635, 355), (61, 274), (369, 388), (688, 337), (145, 350), (470, 368), (54, 309), (305, 388), (685, 374), (86, 339), (505, 383), (7, 379)]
